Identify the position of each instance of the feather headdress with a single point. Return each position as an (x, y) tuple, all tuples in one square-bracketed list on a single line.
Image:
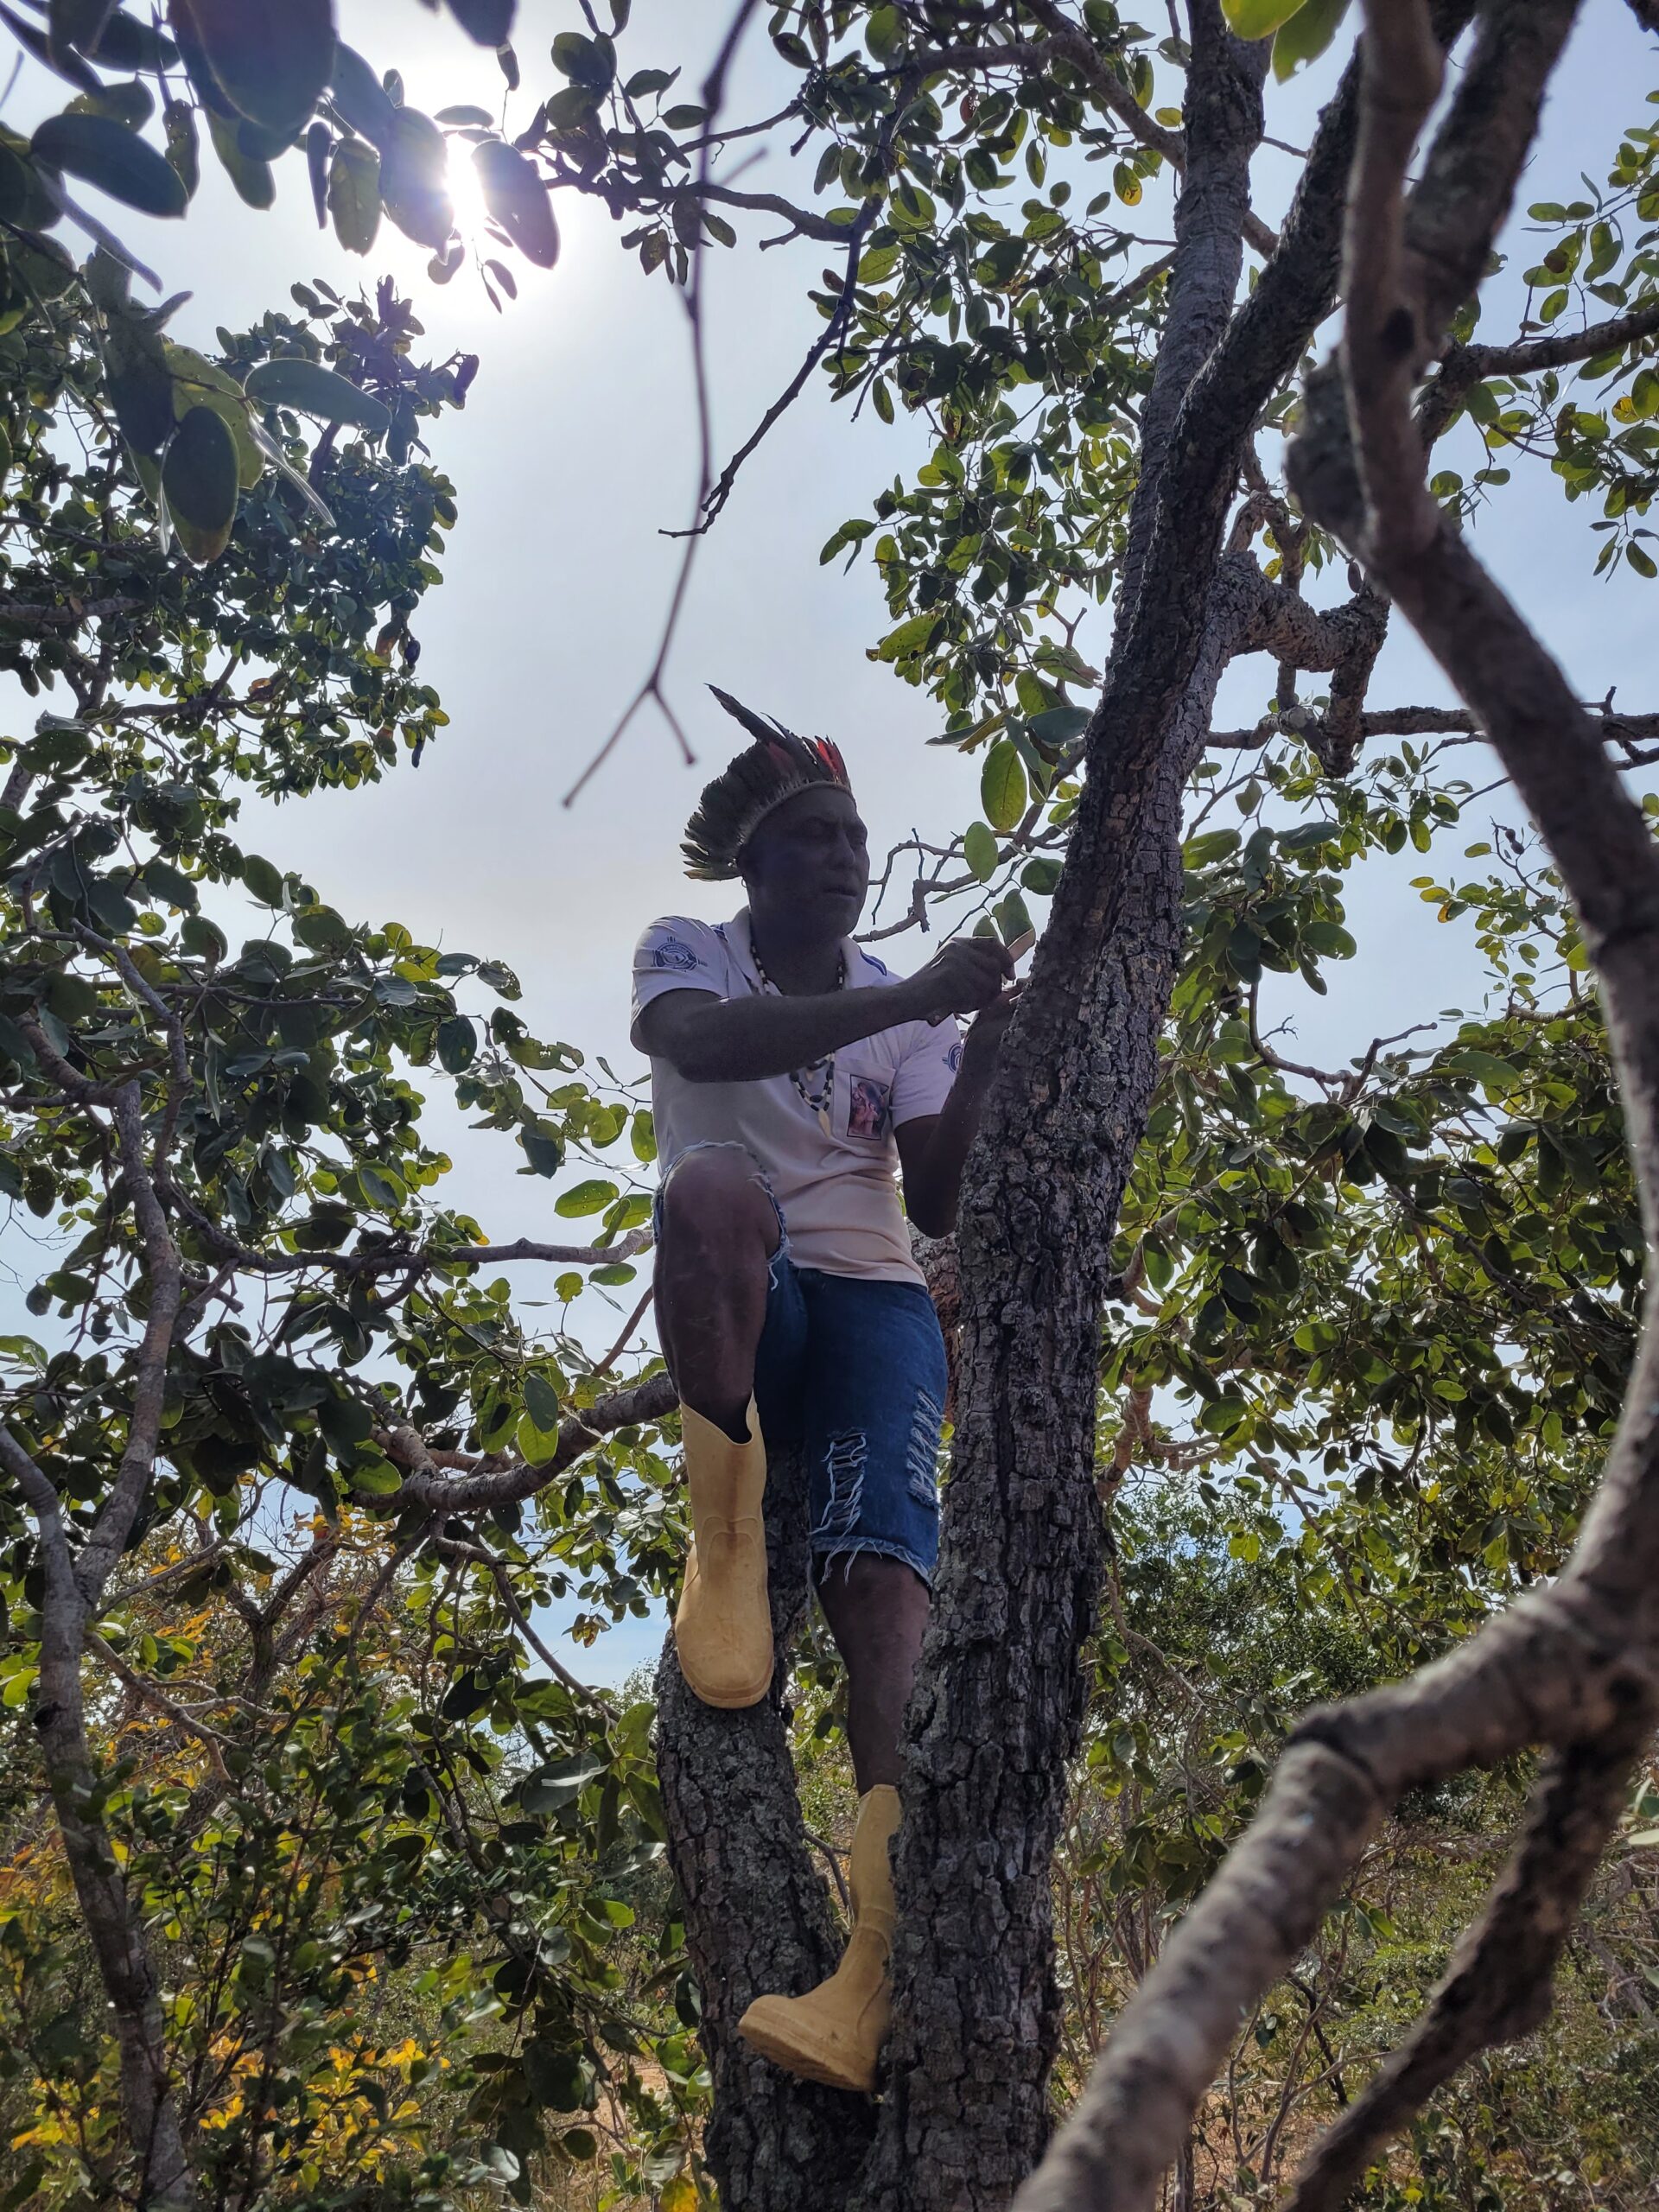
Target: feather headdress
[(775, 767)]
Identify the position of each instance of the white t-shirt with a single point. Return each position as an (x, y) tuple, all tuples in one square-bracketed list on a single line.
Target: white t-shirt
[(836, 1186)]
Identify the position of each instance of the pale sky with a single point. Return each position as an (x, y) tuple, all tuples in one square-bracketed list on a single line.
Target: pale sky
[(575, 449)]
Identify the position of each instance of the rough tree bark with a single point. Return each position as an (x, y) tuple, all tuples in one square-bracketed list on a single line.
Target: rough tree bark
[(757, 1911), (1574, 1665)]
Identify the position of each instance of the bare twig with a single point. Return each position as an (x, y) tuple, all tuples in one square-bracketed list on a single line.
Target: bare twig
[(714, 95)]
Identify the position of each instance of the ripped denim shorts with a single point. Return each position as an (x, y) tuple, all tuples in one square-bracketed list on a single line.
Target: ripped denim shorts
[(853, 1370)]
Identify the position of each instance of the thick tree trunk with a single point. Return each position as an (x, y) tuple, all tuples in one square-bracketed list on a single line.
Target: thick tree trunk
[(757, 1911)]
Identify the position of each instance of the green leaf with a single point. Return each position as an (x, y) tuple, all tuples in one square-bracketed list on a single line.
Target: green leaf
[(355, 194), (1213, 845), (381, 1188), (361, 98), (457, 1043), (183, 149), (1244, 952), (30, 197), (1059, 725), (1013, 917), (132, 105), (489, 22), (414, 178), (885, 33), (584, 1199), (544, 1153), (909, 637), (198, 482), (378, 1479), (1003, 785), (1332, 938), (198, 382), (270, 59), (140, 381), (542, 1402), (1223, 1414), (559, 1781), (980, 850), (263, 879), (255, 186), (591, 63), (166, 882), (1306, 36), (519, 200), (117, 160), (1258, 18), (313, 389), (204, 939), (1041, 876)]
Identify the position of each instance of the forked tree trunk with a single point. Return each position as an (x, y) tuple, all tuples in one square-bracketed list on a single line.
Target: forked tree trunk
[(757, 1909)]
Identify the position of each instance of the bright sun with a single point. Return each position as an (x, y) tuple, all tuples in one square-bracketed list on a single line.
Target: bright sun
[(467, 191)]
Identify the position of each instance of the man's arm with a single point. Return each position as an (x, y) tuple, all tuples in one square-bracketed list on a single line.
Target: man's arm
[(933, 1148), (709, 1040)]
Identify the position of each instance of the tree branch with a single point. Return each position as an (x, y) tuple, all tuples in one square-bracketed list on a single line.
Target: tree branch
[(1498, 1985), (1067, 42), (437, 1493), (1628, 730), (212, 1740), (772, 203), (165, 1287)]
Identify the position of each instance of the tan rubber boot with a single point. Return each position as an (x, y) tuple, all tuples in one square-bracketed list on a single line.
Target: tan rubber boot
[(835, 2033), (722, 1629)]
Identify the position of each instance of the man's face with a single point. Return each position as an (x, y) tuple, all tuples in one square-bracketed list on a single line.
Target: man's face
[(808, 864)]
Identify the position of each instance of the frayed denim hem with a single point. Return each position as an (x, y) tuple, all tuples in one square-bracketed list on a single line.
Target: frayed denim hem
[(825, 1557)]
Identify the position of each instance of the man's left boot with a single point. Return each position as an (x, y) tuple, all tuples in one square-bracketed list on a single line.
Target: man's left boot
[(835, 2033), (723, 1626)]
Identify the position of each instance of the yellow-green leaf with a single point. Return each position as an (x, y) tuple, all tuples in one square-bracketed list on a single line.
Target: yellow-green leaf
[(1003, 785), (355, 194), (198, 382), (1304, 36), (199, 481), (979, 850), (583, 1198), (1258, 18), (293, 381)]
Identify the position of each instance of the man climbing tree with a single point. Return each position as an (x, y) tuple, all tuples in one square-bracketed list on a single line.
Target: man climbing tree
[(791, 1075)]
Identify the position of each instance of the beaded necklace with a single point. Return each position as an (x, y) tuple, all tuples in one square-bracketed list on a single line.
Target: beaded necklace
[(816, 1084)]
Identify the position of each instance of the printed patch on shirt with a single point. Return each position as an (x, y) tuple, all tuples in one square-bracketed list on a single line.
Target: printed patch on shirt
[(953, 1058), (674, 952), (866, 1108)]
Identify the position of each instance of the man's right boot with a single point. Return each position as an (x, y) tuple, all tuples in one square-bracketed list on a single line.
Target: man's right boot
[(722, 1629), (835, 2033)]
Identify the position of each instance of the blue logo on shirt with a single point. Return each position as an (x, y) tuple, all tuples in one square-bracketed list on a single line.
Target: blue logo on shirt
[(674, 952)]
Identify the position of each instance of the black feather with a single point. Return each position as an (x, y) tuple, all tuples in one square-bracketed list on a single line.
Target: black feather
[(757, 725)]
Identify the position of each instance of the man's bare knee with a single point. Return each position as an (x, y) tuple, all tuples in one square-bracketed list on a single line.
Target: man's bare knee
[(714, 1201)]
